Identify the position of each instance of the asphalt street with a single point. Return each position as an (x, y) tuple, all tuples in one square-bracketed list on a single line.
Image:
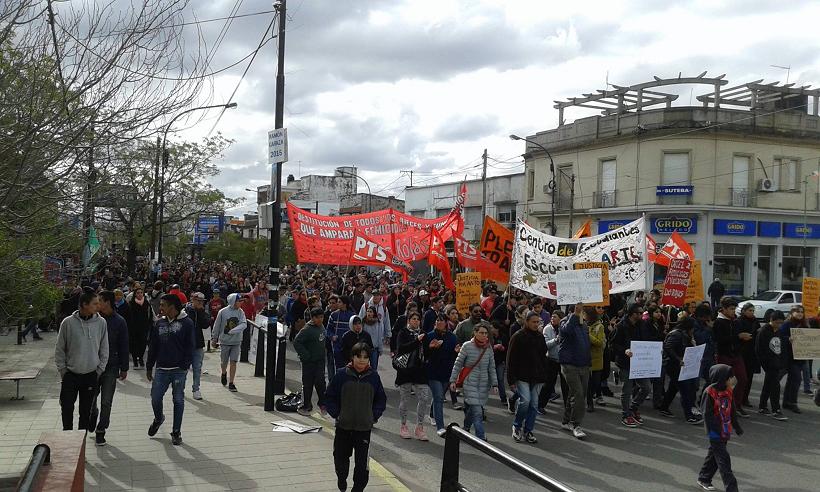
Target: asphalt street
[(663, 455)]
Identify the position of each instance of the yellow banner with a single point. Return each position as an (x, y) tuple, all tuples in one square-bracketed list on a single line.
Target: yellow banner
[(695, 291), (811, 295), (468, 291)]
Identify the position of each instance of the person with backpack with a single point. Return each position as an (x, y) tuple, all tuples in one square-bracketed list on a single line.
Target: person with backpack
[(719, 413), (474, 371), (769, 351), (356, 399)]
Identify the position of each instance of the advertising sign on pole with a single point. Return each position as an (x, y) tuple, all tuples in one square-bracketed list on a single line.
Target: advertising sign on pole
[(278, 146)]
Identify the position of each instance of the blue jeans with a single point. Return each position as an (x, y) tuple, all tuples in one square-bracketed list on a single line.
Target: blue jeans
[(31, 327), (162, 379), (528, 400), (806, 376), (438, 388), (374, 360), (474, 416), (196, 367)]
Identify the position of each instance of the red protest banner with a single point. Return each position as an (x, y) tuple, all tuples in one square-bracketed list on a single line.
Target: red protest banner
[(328, 240), (366, 251), (676, 283)]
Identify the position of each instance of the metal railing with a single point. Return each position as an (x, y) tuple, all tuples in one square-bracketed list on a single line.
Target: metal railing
[(450, 467), (40, 457), (604, 199), (742, 197)]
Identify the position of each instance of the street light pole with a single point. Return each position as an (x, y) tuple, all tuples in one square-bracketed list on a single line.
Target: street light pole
[(369, 194), (552, 181), (165, 167)]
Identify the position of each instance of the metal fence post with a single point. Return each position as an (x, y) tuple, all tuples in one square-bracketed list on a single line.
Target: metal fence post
[(20, 332), (279, 382), (245, 346), (259, 370), (449, 469)]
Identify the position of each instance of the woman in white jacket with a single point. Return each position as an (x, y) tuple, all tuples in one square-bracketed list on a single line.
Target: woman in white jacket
[(477, 356)]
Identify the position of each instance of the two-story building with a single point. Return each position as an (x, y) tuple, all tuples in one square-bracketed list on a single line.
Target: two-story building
[(505, 201), (736, 176)]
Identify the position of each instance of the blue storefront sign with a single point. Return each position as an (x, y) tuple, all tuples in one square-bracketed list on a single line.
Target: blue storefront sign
[(810, 231), (668, 225), (605, 226), (769, 229), (208, 228), (735, 227), (680, 190)]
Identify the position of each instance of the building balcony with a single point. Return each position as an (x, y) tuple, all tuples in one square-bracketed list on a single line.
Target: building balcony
[(742, 197), (604, 199), (564, 202)]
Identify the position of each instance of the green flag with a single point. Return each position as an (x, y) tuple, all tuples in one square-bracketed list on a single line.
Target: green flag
[(91, 247)]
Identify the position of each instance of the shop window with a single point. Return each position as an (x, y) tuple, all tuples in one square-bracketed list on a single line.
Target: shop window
[(730, 266), (793, 263), (764, 263)]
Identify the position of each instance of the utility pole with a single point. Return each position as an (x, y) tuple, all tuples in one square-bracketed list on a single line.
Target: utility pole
[(88, 209), (271, 385), (411, 176), (571, 202), (156, 197), (484, 185)]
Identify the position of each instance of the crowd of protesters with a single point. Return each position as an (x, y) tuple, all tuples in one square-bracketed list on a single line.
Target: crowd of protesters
[(525, 349)]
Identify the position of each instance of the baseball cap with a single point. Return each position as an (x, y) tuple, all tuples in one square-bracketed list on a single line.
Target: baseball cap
[(423, 292), (198, 295)]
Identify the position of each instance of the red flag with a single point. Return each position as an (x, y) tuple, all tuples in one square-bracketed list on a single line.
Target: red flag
[(651, 248), (675, 248), (438, 258), (469, 257), (366, 251), (584, 231)]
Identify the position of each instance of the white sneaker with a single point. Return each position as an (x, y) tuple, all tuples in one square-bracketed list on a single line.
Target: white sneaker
[(197, 395), (568, 426), (432, 420), (578, 433)]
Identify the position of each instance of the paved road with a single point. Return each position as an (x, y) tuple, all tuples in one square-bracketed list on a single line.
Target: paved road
[(664, 455)]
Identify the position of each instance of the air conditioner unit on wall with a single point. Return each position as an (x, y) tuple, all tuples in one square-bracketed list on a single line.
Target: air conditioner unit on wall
[(767, 184)]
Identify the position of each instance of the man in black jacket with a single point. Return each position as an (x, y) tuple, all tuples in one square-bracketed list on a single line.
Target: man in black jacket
[(769, 352), (630, 328), (728, 342), (202, 321), (117, 367), (674, 348), (716, 291), (526, 374)]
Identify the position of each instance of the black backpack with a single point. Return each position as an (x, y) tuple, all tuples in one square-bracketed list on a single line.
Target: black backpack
[(289, 403)]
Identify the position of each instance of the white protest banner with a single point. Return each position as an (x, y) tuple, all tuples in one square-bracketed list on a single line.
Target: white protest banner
[(538, 257), (691, 362), (646, 360), (579, 286), (805, 343)]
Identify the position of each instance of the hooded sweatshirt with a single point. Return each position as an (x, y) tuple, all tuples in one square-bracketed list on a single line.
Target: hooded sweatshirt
[(381, 329), (230, 323), (376, 331), (717, 407), (171, 343), (351, 338), (82, 345), (309, 343)]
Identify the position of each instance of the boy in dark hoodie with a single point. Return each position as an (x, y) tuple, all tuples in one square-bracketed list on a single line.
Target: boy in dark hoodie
[(356, 399), (309, 344), (720, 416)]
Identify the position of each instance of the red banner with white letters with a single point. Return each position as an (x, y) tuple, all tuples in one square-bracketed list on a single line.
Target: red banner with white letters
[(328, 240)]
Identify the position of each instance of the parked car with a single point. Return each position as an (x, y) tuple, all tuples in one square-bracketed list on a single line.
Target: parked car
[(773, 300)]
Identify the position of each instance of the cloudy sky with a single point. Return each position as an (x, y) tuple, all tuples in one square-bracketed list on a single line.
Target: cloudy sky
[(427, 85)]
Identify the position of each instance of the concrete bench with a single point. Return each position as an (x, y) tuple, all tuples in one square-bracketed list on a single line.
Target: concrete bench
[(16, 376), (64, 466)]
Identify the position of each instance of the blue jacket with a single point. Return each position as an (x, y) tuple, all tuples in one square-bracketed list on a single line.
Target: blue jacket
[(337, 325), (117, 342), (171, 343), (575, 347), (439, 361), (355, 400)]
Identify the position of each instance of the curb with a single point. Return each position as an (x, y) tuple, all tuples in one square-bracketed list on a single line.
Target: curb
[(377, 468)]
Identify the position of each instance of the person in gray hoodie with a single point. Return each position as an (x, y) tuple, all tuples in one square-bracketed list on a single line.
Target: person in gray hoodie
[(229, 324), (378, 328), (81, 355)]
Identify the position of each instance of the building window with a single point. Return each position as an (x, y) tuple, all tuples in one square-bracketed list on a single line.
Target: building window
[(506, 214), (417, 213), (793, 262), (764, 262), (565, 184), (473, 216), (606, 197), (441, 212), (530, 184), (740, 181), (789, 171), (730, 263)]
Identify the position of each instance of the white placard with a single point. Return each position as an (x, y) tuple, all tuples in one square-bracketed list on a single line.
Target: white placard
[(691, 362), (646, 360), (537, 258), (579, 286), (278, 145)]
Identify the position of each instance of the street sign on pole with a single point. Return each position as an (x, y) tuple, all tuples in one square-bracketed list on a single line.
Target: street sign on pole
[(278, 146)]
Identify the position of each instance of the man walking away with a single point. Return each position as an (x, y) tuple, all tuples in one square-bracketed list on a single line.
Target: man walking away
[(356, 399), (117, 367), (202, 322), (81, 355), (309, 344), (228, 327), (716, 292), (171, 349)]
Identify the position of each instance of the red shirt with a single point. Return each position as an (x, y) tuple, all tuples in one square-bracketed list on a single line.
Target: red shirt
[(215, 305)]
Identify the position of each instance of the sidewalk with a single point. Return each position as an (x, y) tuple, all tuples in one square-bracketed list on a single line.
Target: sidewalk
[(228, 441)]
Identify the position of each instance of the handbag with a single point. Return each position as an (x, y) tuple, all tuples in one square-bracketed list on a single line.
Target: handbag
[(465, 371), (400, 361)]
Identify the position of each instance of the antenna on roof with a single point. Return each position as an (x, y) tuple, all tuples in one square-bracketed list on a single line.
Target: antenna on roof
[(788, 70)]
